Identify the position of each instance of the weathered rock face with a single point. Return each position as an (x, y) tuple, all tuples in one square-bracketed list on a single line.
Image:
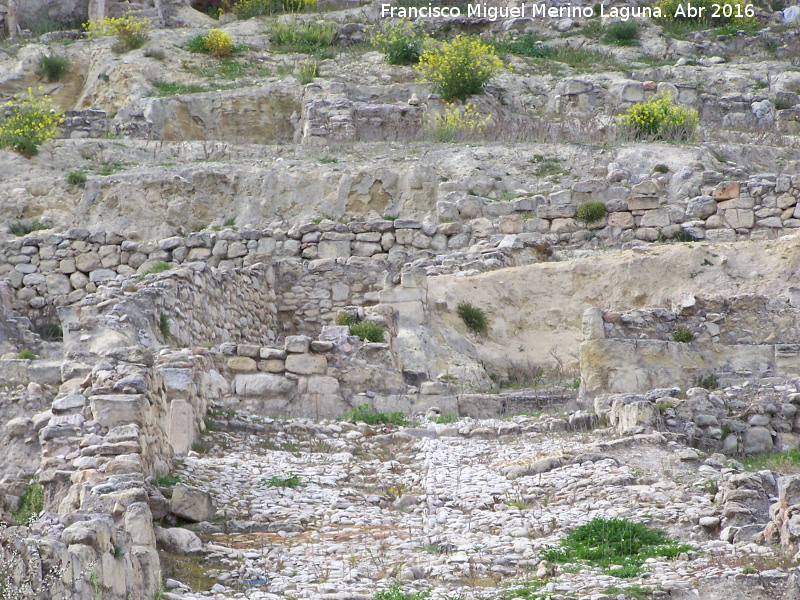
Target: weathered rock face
[(264, 115)]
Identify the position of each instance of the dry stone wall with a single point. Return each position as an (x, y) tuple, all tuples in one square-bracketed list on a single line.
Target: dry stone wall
[(728, 340)]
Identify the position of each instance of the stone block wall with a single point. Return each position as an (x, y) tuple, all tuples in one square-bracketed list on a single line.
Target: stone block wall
[(741, 338), (84, 124)]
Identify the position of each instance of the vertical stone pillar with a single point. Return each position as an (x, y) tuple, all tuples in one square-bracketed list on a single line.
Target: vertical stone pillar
[(11, 18), (98, 10)]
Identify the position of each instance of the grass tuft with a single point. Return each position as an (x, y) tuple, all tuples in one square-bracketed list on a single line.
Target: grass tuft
[(368, 331), (682, 335), (292, 480), (619, 546), (366, 414)]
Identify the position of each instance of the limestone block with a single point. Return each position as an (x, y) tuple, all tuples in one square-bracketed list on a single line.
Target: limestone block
[(241, 363), (740, 219), (181, 426), (623, 220), (191, 503), (757, 440), (306, 364), (118, 409), (262, 384), (726, 190)]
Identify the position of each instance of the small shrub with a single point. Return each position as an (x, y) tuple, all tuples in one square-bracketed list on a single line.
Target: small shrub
[(402, 43), (659, 119), (474, 317), (459, 68), (307, 72), (366, 330), (31, 505), (292, 480), (52, 66), (76, 178), (26, 354), (20, 228), (366, 414), (167, 480), (131, 31), (661, 168), (291, 36), (665, 405), (163, 326), (246, 9), (345, 319), (782, 103), (591, 212), (622, 33), (682, 335), (49, 332), (709, 382), (684, 236), (216, 43), (27, 123), (455, 124), (159, 267)]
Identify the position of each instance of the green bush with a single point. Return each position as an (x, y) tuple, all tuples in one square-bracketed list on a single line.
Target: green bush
[(291, 36), (591, 212), (292, 480), (474, 317), (26, 355), (620, 543), (52, 66), (366, 414), (622, 33), (31, 505), (402, 43), (366, 330), (163, 326), (76, 178), (709, 382), (682, 335), (459, 68), (658, 119)]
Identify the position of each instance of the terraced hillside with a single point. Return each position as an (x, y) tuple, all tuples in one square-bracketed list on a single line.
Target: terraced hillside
[(284, 319)]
